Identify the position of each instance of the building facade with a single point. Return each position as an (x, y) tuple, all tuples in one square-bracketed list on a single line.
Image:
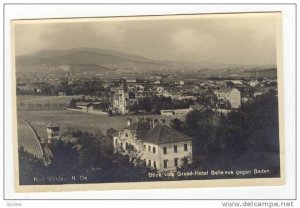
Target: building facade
[(52, 131), (160, 146), (231, 96), (122, 99)]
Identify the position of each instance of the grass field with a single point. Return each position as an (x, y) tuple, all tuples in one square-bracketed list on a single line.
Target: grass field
[(37, 102), (77, 120), (64, 118), (39, 99)]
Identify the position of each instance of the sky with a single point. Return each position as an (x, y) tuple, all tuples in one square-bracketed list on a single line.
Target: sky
[(231, 39)]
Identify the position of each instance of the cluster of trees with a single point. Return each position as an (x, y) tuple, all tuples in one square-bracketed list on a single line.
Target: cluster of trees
[(238, 139), (80, 88), (39, 106), (207, 98), (81, 153), (156, 103), (83, 88)]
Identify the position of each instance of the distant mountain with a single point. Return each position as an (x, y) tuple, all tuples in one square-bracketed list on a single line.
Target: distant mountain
[(104, 60)]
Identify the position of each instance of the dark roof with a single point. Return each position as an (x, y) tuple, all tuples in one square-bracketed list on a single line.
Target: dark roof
[(52, 124), (162, 134), (141, 134)]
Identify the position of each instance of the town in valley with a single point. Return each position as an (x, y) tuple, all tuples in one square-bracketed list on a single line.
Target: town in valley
[(165, 109)]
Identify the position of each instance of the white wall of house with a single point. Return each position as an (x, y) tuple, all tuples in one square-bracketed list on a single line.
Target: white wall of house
[(151, 155), (171, 154), (235, 98), (124, 140), (52, 133), (154, 154)]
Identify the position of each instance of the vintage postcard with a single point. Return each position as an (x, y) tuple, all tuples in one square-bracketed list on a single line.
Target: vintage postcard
[(172, 101)]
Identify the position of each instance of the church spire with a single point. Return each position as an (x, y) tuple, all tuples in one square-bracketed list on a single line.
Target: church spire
[(123, 85)]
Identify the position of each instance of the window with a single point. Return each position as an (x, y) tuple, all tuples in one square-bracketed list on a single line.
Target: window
[(175, 148), (154, 164), (121, 145), (144, 147), (176, 162), (149, 163), (185, 147), (149, 148), (153, 150), (126, 134), (165, 163), (165, 150)]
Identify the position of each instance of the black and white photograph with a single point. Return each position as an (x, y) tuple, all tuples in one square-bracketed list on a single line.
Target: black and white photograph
[(147, 100)]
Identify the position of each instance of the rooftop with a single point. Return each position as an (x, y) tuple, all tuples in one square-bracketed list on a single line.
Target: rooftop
[(162, 134), (159, 134)]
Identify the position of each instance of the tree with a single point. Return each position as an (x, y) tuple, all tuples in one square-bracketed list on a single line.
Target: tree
[(90, 151), (29, 167), (229, 84), (247, 132), (134, 108), (110, 132), (72, 103), (176, 124), (65, 159)]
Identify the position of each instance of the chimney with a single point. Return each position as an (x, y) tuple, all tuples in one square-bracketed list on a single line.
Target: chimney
[(129, 121), (163, 121), (155, 122)]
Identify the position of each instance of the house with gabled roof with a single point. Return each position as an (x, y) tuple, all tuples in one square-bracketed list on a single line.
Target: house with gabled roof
[(160, 146)]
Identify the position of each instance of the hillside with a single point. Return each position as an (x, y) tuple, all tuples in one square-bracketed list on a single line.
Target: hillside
[(103, 60)]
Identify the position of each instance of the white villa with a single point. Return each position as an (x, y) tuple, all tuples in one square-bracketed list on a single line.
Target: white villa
[(161, 147), (230, 95)]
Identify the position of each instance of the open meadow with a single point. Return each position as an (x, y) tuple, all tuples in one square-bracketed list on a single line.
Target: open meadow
[(78, 120), (66, 119), (40, 102), (41, 99)]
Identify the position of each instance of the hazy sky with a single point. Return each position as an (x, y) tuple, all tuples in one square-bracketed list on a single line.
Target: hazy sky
[(232, 40)]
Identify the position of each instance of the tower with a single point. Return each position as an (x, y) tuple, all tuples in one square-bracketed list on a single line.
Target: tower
[(52, 131), (123, 95)]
